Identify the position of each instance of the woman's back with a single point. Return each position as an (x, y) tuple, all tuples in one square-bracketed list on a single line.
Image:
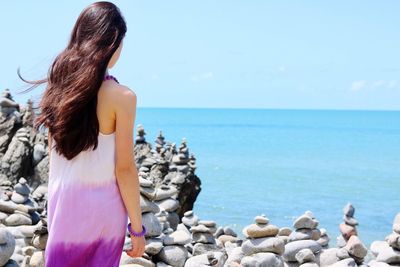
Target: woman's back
[(86, 215)]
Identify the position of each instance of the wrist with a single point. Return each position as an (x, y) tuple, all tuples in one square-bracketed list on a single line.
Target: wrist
[(140, 233), (136, 227)]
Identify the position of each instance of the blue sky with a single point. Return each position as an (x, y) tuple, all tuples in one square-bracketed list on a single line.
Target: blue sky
[(238, 54)]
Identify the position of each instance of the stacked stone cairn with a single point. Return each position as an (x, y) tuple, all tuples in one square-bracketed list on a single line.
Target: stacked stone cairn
[(348, 226), (23, 230), (387, 252), (303, 246), (350, 251), (262, 246)]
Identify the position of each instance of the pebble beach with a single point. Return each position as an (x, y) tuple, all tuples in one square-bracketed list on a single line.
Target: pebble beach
[(169, 189)]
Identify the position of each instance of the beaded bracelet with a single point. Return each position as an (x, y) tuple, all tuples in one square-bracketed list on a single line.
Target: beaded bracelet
[(131, 232)]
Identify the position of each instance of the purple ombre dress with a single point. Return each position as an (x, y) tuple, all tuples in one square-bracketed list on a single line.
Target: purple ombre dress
[(87, 218)]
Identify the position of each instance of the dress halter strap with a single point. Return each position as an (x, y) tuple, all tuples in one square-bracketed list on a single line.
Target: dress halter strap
[(110, 77)]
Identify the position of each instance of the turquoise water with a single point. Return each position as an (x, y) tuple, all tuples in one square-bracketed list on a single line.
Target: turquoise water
[(284, 162)]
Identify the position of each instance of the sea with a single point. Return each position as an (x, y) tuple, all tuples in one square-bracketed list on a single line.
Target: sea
[(282, 163)]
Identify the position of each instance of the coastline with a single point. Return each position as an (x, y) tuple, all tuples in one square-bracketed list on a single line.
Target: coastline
[(176, 236)]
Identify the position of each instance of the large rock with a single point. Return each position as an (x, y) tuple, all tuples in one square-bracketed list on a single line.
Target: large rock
[(262, 230), (356, 248), (389, 255), (152, 224), (305, 221), (262, 259), (7, 245), (216, 259), (292, 248), (173, 255), (265, 244), (17, 161), (178, 237), (345, 263)]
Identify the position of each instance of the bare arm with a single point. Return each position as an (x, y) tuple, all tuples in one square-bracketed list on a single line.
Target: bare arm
[(126, 170)]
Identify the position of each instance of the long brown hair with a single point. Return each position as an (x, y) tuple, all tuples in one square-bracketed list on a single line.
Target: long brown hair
[(68, 106)]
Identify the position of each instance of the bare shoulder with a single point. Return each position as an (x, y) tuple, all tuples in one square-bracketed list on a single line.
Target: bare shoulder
[(121, 96)]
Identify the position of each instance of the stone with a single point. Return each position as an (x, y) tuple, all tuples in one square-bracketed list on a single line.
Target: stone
[(350, 220), (18, 198), (305, 221), (165, 192), (292, 248), (153, 246), (234, 256), (261, 219), (229, 231), (323, 241), (396, 228), (265, 244), (145, 182), (345, 263), (8, 206), (268, 259), (342, 253), (168, 204), (178, 237), (201, 248), (148, 192), (328, 256), (39, 152), (375, 263), (173, 219), (173, 255), (7, 245), (284, 238), (205, 238), (349, 210), (128, 261), (309, 264), (37, 259), (207, 259), (148, 206), (208, 224), (224, 238), (39, 241), (18, 219), (347, 230), (261, 230), (396, 223), (284, 231), (301, 234), (248, 261), (389, 255), (310, 214), (21, 187), (190, 220), (152, 224), (305, 255), (377, 246), (18, 156), (188, 213), (200, 228), (28, 250), (340, 241), (393, 240), (356, 248)]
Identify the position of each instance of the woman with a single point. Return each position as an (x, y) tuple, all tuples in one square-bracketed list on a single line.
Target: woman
[(93, 182)]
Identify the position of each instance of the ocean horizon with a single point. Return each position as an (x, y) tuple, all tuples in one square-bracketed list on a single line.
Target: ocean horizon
[(283, 162)]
